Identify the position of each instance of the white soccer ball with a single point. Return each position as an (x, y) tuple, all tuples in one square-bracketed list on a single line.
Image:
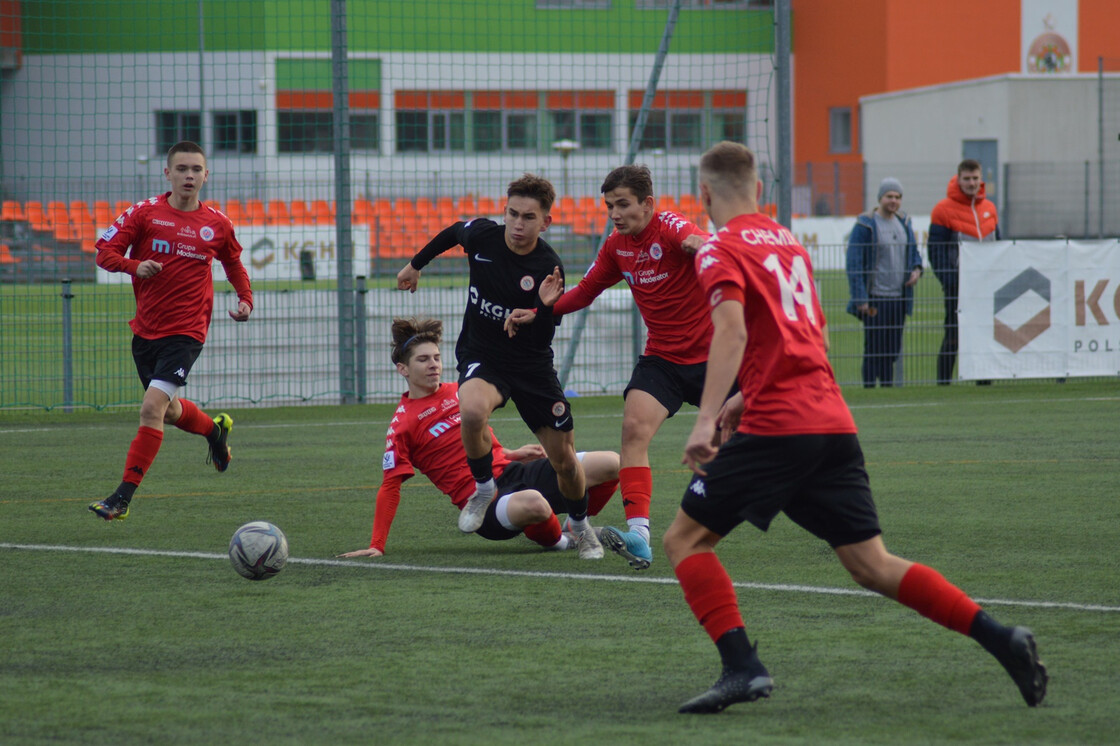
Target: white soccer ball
[(258, 550)]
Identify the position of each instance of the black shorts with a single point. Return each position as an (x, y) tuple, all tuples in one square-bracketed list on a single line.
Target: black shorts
[(672, 384), (165, 359), (537, 393), (532, 475), (819, 481)]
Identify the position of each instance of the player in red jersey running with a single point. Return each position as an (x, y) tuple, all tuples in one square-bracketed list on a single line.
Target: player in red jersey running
[(424, 436), (168, 243), (652, 251), (795, 448)]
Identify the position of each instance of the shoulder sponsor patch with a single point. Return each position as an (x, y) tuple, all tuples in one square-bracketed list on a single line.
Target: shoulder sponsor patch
[(389, 460), (109, 233)]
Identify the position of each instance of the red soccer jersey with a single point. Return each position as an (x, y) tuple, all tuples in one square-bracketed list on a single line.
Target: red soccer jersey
[(180, 298), (662, 278), (424, 436), (787, 382)]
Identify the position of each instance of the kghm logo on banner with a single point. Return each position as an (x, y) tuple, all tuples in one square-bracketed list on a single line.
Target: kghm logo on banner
[(1029, 281)]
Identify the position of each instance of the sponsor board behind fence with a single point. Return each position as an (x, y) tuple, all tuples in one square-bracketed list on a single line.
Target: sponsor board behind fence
[(285, 253), (1038, 309)]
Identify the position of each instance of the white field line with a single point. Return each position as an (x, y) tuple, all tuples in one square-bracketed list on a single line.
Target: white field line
[(367, 565)]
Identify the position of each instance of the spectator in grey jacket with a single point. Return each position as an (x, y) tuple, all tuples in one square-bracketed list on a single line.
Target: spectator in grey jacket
[(883, 267)]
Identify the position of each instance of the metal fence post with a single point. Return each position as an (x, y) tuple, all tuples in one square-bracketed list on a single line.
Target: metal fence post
[(67, 349), (360, 337)]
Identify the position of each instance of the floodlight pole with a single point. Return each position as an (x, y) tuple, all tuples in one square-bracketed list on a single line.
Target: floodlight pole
[(347, 363)]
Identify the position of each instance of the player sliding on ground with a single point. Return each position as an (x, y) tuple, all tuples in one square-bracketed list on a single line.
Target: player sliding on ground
[(507, 266), (652, 251), (424, 436), (171, 241), (795, 448)]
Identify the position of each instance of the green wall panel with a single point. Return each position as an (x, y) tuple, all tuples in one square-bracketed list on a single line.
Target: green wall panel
[(84, 26)]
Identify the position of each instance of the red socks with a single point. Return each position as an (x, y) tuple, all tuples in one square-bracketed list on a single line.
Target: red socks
[(637, 486), (142, 453), (599, 495), (709, 593), (927, 592), (193, 419), (545, 533)]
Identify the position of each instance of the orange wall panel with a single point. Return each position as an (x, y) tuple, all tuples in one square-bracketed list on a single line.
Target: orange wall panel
[(1097, 35)]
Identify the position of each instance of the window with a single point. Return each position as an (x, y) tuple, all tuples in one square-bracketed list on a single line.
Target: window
[(521, 131), (364, 131), (435, 131), (175, 126), (412, 131), (449, 130), (840, 130), (729, 126), (591, 129), (304, 131), (235, 131), (487, 126), (671, 130)]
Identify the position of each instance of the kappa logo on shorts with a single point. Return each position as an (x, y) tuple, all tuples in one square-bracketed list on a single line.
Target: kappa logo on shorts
[(697, 488), (181, 373), (528, 283)]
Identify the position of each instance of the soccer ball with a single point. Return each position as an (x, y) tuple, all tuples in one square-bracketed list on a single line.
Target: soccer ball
[(258, 550)]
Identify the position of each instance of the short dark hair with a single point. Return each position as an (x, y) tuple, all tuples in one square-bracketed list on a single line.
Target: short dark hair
[(533, 187), (636, 178), (407, 333), (185, 146), (969, 164)]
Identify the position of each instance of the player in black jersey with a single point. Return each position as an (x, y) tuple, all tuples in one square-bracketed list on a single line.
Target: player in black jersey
[(507, 266)]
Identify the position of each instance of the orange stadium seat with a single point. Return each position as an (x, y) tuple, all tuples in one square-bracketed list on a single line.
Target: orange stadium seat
[(6, 255), (564, 211), (278, 213), (323, 211), (58, 215), (362, 213), (466, 207), (404, 207), (488, 207), (103, 214), (667, 203), (425, 208), (235, 212), (445, 209), (12, 211), (80, 212), (588, 205), (255, 213), (36, 215), (382, 207)]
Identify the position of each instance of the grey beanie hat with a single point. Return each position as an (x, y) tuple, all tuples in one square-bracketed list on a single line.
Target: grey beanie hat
[(889, 184)]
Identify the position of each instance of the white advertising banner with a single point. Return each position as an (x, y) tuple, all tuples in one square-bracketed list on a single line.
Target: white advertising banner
[(272, 252), (1039, 309)]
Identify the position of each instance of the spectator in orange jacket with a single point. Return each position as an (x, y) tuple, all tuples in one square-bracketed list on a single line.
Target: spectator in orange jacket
[(965, 214)]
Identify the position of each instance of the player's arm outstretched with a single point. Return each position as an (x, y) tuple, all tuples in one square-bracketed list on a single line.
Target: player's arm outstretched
[(388, 499), (409, 277)]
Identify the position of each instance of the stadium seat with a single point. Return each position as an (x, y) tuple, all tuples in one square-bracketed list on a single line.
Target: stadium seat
[(36, 215), (80, 212), (445, 209), (362, 213), (588, 205), (235, 212), (403, 207), (668, 203), (58, 215), (103, 214), (466, 207), (488, 207), (425, 208), (255, 213), (382, 207), (278, 213), (12, 211), (323, 211), (564, 211), (6, 255)]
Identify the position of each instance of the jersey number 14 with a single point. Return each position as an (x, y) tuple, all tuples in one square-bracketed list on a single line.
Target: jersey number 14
[(796, 288)]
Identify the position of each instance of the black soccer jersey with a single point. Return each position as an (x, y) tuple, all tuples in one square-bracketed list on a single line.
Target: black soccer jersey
[(500, 281)]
